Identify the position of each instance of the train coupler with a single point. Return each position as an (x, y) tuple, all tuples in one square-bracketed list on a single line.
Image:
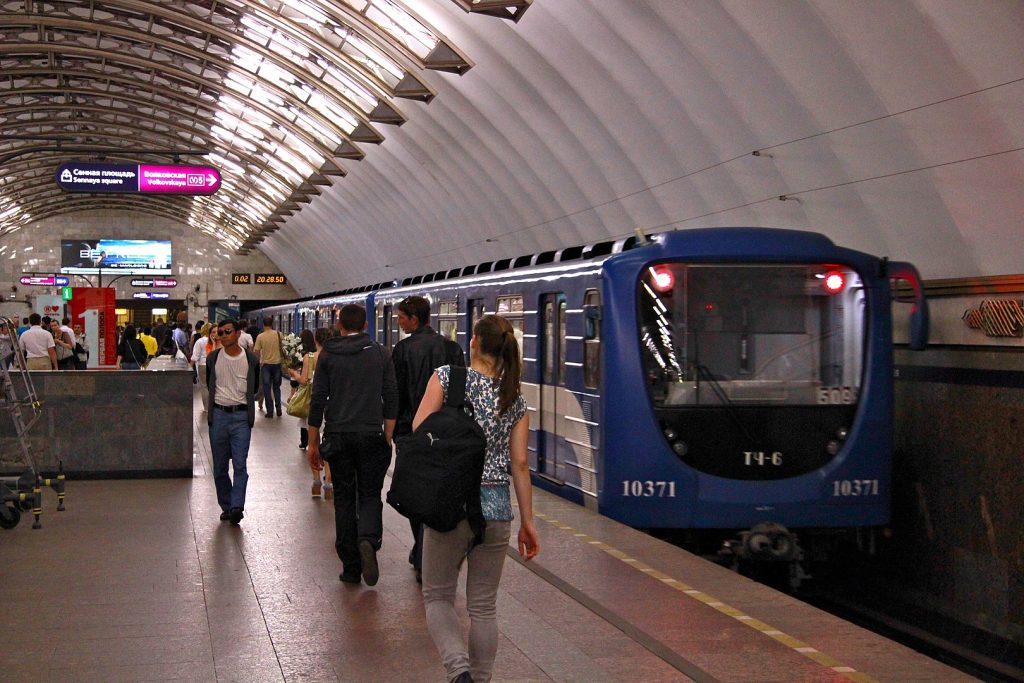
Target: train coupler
[(768, 542)]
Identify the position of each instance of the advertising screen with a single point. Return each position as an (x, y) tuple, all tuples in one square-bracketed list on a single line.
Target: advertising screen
[(126, 257)]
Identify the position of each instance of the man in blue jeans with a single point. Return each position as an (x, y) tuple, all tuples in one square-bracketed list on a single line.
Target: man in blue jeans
[(233, 378), (268, 349), (354, 394)]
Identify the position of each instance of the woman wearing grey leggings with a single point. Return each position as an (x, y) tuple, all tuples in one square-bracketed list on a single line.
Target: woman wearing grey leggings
[(492, 389)]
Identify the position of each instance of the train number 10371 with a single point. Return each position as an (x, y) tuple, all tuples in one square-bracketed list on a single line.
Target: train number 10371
[(855, 487), (635, 488)]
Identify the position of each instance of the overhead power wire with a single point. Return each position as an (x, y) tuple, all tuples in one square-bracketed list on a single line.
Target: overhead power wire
[(744, 155)]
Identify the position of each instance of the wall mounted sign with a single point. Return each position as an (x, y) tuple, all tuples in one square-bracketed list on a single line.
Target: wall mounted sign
[(151, 295), (90, 176), (155, 282), (44, 280), (270, 279), (241, 278), (997, 317)]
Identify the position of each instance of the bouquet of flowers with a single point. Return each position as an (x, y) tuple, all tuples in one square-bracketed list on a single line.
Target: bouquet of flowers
[(292, 346)]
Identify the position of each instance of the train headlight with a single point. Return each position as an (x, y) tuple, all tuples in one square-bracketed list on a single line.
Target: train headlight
[(842, 433), (834, 282), (832, 447), (680, 448), (670, 434), (662, 278)]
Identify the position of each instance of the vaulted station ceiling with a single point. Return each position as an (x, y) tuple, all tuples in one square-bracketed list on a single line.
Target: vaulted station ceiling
[(366, 140)]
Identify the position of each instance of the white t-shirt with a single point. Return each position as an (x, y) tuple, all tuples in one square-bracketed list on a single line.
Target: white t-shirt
[(231, 376), (245, 341), (35, 341), (199, 351)]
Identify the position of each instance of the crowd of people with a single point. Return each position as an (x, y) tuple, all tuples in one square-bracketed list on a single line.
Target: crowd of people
[(46, 344), (361, 397)]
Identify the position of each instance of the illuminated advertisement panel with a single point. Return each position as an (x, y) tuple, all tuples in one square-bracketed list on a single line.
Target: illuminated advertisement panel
[(126, 257)]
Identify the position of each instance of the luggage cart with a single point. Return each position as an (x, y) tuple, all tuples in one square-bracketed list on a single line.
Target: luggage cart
[(18, 398)]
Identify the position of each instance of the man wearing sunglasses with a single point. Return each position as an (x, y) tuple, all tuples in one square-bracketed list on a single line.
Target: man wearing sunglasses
[(233, 378)]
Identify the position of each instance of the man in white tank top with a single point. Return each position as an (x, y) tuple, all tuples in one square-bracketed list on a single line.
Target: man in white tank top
[(233, 378)]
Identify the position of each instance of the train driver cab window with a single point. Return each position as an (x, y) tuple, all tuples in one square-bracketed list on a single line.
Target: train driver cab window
[(448, 320), (592, 339), (751, 334), (511, 308)]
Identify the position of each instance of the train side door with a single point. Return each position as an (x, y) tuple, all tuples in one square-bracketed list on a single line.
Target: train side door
[(476, 310), (552, 382)]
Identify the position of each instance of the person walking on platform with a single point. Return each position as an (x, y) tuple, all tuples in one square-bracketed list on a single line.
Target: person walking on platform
[(493, 390), (268, 350), (416, 357), (38, 346), (232, 378), (149, 341), (355, 397)]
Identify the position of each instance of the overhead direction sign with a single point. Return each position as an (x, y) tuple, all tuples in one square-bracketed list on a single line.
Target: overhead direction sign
[(44, 280), (151, 295), (91, 176), (155, 282)]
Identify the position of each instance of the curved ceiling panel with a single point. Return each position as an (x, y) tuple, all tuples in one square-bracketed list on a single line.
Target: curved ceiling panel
[(583, 121)]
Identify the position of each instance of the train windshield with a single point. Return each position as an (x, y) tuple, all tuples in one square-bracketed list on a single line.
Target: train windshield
[(751, 334)]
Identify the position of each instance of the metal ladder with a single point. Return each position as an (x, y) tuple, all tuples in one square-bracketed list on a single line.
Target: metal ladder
[(24, 492)]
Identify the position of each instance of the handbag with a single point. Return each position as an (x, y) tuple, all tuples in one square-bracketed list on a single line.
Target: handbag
[(298, 404)]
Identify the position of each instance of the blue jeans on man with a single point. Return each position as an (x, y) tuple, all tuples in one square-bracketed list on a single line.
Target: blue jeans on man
[(229, 442), (270, 379)]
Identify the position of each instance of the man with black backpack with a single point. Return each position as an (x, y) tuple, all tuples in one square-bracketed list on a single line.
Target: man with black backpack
[(355, 397), (416, 357)]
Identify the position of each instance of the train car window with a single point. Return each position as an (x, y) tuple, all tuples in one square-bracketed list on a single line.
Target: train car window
[(592, 339), (448, 319), (548, 321), (510, 304), (741, 334)]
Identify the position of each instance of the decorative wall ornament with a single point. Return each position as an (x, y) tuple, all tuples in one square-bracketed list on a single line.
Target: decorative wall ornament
[(997, 317)]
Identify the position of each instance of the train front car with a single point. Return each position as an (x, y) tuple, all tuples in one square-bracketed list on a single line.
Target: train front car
[(761, 368)]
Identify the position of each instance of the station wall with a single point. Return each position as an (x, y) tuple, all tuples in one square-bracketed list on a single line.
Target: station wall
[(198, 259)]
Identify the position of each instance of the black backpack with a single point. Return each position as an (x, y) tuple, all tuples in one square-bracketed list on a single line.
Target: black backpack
[(439, 466)]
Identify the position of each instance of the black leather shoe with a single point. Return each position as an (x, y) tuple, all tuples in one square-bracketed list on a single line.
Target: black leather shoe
[(280, 414), (463, 677), (345, 577), (268, 415), (236, 515), (368, 558), (225, 516)]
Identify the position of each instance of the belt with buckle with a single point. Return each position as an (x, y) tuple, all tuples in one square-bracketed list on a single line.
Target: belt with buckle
[(230, 409)]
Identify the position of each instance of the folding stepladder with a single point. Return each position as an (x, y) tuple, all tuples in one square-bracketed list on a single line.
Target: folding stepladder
[(18, 397)]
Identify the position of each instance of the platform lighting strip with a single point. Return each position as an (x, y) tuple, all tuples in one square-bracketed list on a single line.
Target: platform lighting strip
[(789, 641)]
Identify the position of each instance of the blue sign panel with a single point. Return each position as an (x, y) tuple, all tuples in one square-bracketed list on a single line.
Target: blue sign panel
[(151, 295)]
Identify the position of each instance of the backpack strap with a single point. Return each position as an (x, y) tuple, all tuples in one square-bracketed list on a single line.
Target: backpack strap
[(457, 378)]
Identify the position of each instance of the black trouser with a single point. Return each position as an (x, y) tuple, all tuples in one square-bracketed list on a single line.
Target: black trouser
[(359, 462)]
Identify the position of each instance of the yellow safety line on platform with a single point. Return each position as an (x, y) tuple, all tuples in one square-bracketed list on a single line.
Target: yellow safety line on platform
[(789, 641)]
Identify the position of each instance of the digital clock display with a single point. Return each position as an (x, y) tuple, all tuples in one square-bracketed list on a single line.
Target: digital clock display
[(241, 278), (271, 279)]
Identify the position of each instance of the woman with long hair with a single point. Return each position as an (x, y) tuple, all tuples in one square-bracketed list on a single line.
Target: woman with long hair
[(493, 391), (312, 344), (131, 352)]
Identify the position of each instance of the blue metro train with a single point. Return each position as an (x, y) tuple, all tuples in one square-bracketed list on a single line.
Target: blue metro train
[(728, 379)]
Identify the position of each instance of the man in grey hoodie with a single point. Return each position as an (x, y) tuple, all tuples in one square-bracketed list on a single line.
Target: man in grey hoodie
[(355, 396)]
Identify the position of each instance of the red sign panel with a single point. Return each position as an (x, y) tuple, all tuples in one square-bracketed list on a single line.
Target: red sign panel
[(93, 309)]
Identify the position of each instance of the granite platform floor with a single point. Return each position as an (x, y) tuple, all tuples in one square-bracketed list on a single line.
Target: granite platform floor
[(138, 580)]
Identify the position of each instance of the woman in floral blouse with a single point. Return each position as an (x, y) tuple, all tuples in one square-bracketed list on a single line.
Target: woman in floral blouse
[(492, 389)]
